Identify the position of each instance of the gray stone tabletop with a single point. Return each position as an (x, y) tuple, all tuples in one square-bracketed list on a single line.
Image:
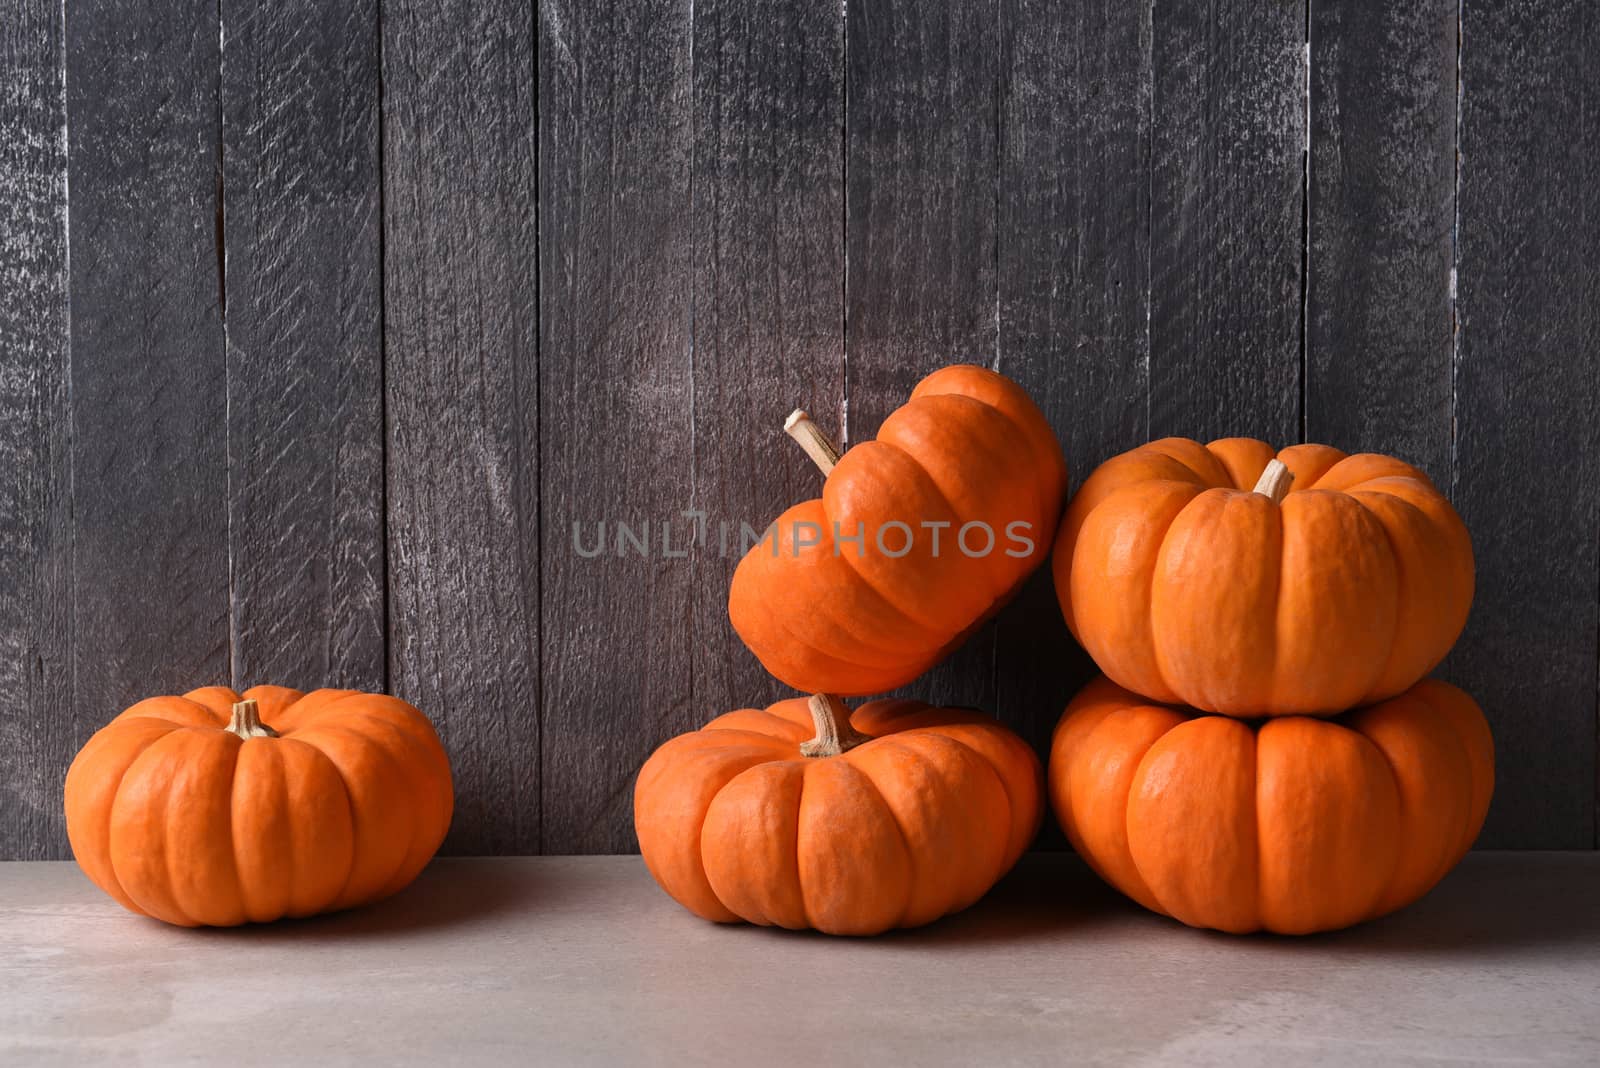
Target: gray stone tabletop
[(582, 960)]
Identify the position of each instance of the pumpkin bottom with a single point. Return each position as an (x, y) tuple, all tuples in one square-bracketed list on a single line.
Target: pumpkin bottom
[(1292, 825), (905, 815)]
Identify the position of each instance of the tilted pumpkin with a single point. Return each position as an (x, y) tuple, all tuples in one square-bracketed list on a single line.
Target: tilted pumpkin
[(216, 809), (919, 536), (1292, 825), (1335, 581), (892, 817)]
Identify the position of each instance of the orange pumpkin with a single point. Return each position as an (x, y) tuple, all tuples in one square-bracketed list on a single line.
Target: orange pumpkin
[(1187, 585), (894, 817), (919, 536), (1291, 825), (214, 809)]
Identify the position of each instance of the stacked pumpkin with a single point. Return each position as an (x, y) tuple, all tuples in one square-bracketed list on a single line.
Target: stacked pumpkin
[(1249, 597), (809, 815), (1268, 594)]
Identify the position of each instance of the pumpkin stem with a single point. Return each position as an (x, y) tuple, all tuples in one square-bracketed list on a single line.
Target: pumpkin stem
[(823, 452), (834, 733), (1274, 482), (246, 721)]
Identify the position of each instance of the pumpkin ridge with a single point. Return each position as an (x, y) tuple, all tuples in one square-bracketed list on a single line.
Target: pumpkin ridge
[(355, 825), (168, 853), (233, 839), (856, 667), (1246, 476), (410, 757), (1421, 692), (1142, 771), (287, 859), (944, 498), (350, 817), (1127, 809), (988, 568), (1199, 478), (204, 710), (658, 774), (1147, 596), (1031, 445), (169, 724), (1386, 890), (1024, 442), (1255, 804), (799, 869), (1279, 630), (105, 829), (227, 762), (1303, 483), (184, 920), (1368, 696), (900, 829), (771, 740), (880, 658), (951, 507), (988, 571), (938, 633), (982, 758), (1039, 440)]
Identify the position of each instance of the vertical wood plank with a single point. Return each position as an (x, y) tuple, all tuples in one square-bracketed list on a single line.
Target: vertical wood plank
[(1382, 218), (461, 387), (1227, 218), (616, 375), (37, 730), (921, 173), (149, 395), (768, 213), (1527, 465), (300, 84), (1074, 255)]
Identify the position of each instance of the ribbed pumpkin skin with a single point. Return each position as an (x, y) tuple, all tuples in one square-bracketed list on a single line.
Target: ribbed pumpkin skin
[(1186, 587), (918, 823), (969, 446), (179, 819), (1290, 825)]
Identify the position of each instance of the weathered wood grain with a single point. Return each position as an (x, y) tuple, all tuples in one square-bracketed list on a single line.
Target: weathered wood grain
[(488, 272), (148, 392), (920, 240), (1074, 262), (301, 189), (1527, 464), (1382, 217), (616, 372), (1227, 218), (37, 729), (461, 394), (767, 194)]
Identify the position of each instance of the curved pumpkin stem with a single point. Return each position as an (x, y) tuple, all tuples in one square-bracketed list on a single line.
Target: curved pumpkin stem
[(246, 721), (1274, 482), (823, 452), (834, 733)]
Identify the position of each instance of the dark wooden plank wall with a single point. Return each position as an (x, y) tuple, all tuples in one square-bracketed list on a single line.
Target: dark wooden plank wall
[(1526, 472), (38, 728), (461, 399), (323, 328)]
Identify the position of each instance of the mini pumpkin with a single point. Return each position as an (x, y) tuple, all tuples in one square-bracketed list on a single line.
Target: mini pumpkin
[(919, 536), (216, 808), (1293, 825), (892, 817), (1195, 574)]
